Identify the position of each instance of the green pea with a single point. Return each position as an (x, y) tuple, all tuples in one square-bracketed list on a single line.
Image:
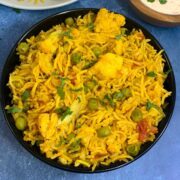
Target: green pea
[(118, 95), (126, 92), (133, 149), (76, 58), (136, 115), (93, 104), (97, 51), (23, 48), (103, 131), (69, 21), (90, 84), (21, 123)]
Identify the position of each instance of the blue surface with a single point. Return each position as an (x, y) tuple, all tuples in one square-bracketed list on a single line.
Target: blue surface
[(162, 162)]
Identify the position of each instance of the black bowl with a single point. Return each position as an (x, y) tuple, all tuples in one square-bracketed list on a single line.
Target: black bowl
[(12, 61)]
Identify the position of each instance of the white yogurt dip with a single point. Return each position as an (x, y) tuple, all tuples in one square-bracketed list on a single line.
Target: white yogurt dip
[(171, 7)]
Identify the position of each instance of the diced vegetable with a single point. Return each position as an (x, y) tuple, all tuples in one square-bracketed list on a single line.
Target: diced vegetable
[(126, 92), (133, 149), (76, 58), (103, 132), (23, 48), (21, 123), (90, 84), (118, 96), (69, 21), (97, 51), (137, 115), (93, 104)]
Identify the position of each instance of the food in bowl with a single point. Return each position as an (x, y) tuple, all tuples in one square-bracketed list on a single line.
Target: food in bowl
[(34, 1), (88, 91)]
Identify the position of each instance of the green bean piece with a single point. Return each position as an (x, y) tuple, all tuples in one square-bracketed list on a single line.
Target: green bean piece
[(136, 115), (126, 92), (93, 104), (76, 58), (97, 51), (118, 96), (23, 48), (21, 123), (103, 132), (133, 149), (69, 21)]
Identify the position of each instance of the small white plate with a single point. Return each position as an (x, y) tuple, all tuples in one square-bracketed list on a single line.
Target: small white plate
[(26, 4)]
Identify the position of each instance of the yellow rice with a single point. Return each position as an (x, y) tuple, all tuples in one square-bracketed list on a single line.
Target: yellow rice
[(124, 62)]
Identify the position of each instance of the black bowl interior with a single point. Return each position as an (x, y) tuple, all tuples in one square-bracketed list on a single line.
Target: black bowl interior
[(12, 61)]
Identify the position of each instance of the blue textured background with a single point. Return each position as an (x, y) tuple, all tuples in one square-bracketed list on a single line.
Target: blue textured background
[(162, 162)]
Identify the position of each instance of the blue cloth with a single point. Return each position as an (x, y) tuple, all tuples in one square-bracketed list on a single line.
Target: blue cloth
[(162, 162)]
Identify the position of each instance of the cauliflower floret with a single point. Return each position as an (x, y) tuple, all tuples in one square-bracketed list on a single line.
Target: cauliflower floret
[(47, 124), (118, 49), (50, 44), (108, 67), (108, 22), (45, 62), (85, 134)]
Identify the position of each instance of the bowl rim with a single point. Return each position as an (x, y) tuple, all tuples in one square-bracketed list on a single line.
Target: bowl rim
[(43, 158)]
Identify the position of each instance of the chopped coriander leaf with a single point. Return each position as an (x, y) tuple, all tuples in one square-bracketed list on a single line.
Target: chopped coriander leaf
[(89, 65), (79, 99), (91, 26), (149, 105), (68, 34), (25, 95), (110, 100), (124, 31), (70, 136), (60, 88), (118, 37), (14, 109), (151, 74), (66, 113), (75, 146), (60, 92), (60, 111), (150, 0)]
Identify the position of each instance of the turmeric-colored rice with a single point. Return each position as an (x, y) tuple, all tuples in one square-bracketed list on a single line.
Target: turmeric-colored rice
[(80, 87)]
